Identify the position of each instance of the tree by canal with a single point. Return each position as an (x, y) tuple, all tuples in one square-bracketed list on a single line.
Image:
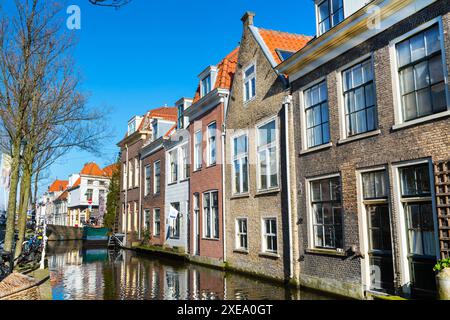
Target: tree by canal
[(113, 198)]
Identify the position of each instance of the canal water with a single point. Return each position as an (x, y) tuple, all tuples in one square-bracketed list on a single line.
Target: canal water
[(78, 273)]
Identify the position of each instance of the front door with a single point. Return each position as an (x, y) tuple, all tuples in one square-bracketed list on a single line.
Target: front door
[(196, 233)]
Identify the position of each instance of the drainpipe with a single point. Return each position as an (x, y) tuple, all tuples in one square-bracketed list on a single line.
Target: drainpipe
[(224, 100), (126, 196), (287, 102)]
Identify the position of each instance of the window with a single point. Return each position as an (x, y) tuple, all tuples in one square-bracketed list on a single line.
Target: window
[(206, 85), (249, 83), (211, 215), (240, 164), (175, 228), (180, 116), (327, 213), (331, 13), (147, 180), (136, 172), (198, 150), (270, 235), (421, 74), (124, 176), (173, 156), (136, 214), (147, 219), (185, 162), (132, 127), (102, 183), (359, 98), (130, 174), (212, 132), (317, 119), (157, 177), (155, 129), (267, 156), (377, 209), (90, 182), (283, 54), (416, 199), (156, 222), (89, 194), (241, 234)]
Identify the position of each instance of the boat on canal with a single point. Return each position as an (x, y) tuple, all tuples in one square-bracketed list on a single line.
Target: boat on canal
[(95, 236)]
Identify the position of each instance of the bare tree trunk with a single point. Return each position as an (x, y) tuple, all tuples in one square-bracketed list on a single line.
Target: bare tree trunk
[(25, 184), (11, 213)]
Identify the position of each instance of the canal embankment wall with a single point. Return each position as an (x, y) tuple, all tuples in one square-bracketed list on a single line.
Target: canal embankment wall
[(63, 233)]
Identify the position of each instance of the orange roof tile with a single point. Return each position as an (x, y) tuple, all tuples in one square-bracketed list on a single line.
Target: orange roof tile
[(92, 169), (109, 170), (283, 41), (165, 113), (63, 196), (58, 185), (225, 73), (172, 130), (77, 183)]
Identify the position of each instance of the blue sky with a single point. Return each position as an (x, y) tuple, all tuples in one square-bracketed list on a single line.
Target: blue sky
[(149, 53)]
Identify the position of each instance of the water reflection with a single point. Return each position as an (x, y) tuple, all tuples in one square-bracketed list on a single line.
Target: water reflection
[(98, 274)]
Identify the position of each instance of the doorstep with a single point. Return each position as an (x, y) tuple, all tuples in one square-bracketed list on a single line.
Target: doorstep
[(375, 295)]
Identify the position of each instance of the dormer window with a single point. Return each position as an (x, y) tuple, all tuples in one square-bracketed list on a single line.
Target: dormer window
[(206, 85), (284, 54), (155, 129), (329, 13), (131, 127), (181, 116)]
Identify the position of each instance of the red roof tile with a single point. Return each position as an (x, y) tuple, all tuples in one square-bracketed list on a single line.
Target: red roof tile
[(283, 41), (225, 73), (109, 170), (92, 169), (58, 185), (165, 113)]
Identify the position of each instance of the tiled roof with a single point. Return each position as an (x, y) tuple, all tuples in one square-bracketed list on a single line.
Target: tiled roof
[(172, 130), (282, 41), (225, 73), (92, 169), (166, 113), (77, 183), (109, 170), (63, 196), (58, 185)]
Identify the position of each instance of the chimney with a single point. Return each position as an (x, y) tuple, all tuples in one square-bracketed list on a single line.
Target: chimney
[(248, 18)]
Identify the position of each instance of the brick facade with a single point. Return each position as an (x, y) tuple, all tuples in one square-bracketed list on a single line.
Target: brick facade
[(430, 140)]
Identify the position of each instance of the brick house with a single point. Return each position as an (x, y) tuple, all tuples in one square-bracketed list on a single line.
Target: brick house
[(153, 159), (139, 130), (258, 211), (371, 101), (177, 182), (206, 118)]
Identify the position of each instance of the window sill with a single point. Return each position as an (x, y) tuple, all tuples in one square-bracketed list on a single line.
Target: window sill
[(249, 100), (359, 137), (241, 251), (240, 196), (326, 252), (418, 121), (269, 255), (267, 192), (211, 166), (210, 239), (184, 180), (172, 183), (315, 149), (197, 170), (156, 194)]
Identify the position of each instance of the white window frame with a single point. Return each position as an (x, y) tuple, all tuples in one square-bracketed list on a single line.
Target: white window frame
[(208, 144), (156, 220), (136, 172), (401, 217), (362, 217), (304, 144), (124, 176), (147, 213), (171, 155), (341, 101), (398, 114), (198, 150), (317, 4), (130, 174), (148, 179), (184, 158), (310, 212), (237, 243), (249, 79), (212, 224), (154, 177), (202, 87), (276, 143), (240, 158), (264, 234)]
